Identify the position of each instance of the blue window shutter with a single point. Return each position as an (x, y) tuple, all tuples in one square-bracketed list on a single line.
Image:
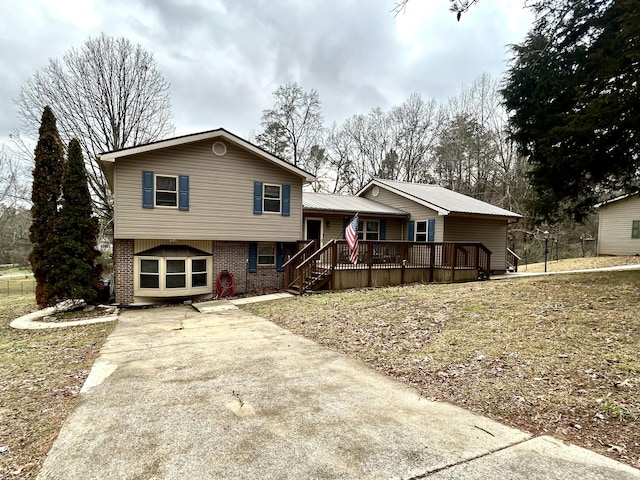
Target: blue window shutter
[(411, 235), (183, 195), (253, 257), (257, 198), (286, 200), (383, 229), (147, 189), (279, 257), (431, 230)]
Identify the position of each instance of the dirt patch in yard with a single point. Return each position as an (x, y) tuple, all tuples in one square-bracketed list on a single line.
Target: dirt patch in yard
[(552, 355)]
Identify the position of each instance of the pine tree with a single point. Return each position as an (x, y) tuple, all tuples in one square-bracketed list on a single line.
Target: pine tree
[(45, 196), (75, 274)]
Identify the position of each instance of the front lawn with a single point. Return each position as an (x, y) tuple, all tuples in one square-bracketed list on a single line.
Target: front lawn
[(555, 355)]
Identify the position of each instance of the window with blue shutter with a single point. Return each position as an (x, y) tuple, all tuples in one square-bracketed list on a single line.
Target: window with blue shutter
[(257, 198), (286, 200), (183, 193), (412, 231), (147, 189), (383, 229), (253, 257), (431, 230)]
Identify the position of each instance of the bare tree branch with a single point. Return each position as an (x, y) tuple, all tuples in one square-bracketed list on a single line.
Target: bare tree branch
[(108, 94)]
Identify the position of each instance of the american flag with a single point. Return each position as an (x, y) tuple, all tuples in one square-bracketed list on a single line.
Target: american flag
[(351, 235)]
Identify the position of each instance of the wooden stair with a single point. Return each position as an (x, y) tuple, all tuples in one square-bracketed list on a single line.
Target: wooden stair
[(313, 283)]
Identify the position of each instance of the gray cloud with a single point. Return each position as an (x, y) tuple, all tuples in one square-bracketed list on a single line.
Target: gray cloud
[(225, 58)]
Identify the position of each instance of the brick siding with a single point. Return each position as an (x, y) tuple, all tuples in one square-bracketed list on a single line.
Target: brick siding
[(233, 257), (123, 270)]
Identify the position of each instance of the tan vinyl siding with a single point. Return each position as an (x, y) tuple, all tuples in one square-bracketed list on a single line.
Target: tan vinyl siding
[(419, 213), (614, 227), (335, 229), (220, 196), (490, 232)]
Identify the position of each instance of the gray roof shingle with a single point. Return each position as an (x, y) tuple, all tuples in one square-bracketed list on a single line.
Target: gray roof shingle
[(346, 204), (444, 200)]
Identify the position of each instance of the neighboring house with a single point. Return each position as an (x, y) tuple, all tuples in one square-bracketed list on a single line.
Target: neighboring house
[(188, 208), (619, 226)]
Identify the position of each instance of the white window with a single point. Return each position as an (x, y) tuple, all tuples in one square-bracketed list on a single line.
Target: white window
[(369, 230), (166, 191), (266, 255), (149, 273), (272, 198), (162, 276), (421, 231), (198, 272), (176, 273)]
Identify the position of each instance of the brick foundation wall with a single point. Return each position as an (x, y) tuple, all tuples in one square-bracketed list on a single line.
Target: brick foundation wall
[(233, 256), (123, 271)]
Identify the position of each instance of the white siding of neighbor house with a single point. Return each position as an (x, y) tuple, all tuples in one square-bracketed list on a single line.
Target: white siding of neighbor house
[(491, 232), (418, 212), (614, 227), (220, 196)]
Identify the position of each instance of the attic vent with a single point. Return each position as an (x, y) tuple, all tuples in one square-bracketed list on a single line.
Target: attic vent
[(219, 148), (375, 191)]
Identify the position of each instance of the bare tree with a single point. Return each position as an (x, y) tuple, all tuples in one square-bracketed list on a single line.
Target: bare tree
[(14, 208), (415, 125), (456, 6), (296, 118), (108, 94), (13, 185)]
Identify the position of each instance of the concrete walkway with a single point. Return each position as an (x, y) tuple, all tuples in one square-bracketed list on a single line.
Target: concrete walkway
[(178, 394), (564, 272)]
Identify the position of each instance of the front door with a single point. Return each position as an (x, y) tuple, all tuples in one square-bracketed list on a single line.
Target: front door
[(314, 231)]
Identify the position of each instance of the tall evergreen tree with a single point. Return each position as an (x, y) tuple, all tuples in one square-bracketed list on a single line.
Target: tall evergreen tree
[(575, 102), (74, 274), (45, 196)]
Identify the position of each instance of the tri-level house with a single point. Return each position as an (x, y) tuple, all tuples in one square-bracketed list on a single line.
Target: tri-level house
[(192, 210)]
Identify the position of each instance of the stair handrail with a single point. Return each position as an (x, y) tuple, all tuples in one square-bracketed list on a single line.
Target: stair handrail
[(316, 254), (306, 264), (301, 252)]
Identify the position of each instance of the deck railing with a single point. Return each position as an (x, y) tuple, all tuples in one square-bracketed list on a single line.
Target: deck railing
[(512, 260), (373, 255)]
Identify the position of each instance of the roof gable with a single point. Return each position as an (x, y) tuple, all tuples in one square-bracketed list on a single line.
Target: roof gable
[(107, 159), (440, 199)]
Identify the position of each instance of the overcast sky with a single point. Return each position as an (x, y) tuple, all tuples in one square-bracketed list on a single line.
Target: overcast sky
[(224, 58)]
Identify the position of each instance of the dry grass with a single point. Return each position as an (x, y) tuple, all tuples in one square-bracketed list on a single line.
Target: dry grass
[(552, 355), (41, 373), (580, 264)]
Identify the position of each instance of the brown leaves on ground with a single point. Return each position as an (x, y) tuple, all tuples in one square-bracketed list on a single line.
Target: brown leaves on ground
[(41, 373), (555, 355)]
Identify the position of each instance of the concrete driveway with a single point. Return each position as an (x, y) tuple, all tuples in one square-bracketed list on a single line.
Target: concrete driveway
[(178, 394)]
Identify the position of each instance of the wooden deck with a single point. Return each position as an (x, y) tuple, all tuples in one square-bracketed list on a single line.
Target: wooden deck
[(383, 263)]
